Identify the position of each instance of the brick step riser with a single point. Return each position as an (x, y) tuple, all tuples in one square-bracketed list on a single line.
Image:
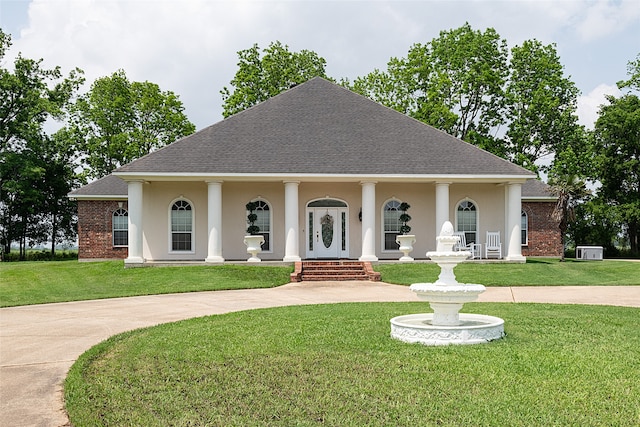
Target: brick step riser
[(333, 271)]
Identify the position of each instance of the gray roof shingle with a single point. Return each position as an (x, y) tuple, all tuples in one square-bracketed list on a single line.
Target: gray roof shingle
[(321, 128), (107, 186)]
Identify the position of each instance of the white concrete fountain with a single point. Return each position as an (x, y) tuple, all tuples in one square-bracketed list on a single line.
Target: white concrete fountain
[(446, 297)]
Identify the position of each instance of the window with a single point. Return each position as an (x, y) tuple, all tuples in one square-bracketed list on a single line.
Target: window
[(120, 226), (524, 229), (181, 226), (467, 220), (263, 212), (391, 218)]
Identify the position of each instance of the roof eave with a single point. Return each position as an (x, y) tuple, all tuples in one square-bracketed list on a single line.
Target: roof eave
[(320, 177)]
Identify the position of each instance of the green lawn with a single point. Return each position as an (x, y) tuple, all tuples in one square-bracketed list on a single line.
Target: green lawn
[(23, 283), (560, 365), (535, 272)]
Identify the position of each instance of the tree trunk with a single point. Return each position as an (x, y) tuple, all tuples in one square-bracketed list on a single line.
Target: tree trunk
[(634, 237)]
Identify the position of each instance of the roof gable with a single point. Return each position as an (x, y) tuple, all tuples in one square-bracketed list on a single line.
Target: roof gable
[(321, 128)]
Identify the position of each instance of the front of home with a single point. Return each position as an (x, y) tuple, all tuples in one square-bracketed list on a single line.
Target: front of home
[(328, 170)]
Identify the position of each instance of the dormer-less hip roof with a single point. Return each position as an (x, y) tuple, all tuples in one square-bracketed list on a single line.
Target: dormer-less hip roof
[(320, 129)]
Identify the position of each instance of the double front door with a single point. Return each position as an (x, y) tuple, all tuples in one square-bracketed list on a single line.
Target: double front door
[(327, 230)]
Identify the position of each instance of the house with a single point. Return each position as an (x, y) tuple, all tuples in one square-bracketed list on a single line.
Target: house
[(315, 158)]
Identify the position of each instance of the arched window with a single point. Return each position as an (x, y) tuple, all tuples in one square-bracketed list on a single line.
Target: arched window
[(120, 227), (524, 228), (391, 219), (467, 220), (263, 212), (181, 226)]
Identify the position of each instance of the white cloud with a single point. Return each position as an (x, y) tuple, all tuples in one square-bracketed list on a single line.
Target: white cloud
[(589, 105), (603, 18), (190, 46)]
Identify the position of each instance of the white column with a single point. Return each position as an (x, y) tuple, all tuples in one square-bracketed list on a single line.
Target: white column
[(514, 209), (135, 223), (214, 222), (442, 205), (291, 253), (368, 221)]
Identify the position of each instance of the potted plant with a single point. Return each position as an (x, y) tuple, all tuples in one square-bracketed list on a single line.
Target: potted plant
[(405, 240), (253, 240)]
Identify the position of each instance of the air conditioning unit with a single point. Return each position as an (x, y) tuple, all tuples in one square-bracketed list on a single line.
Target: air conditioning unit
[(589, 253)]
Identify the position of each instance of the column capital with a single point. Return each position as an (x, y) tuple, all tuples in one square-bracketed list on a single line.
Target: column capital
[(365, 182), (213, 181)]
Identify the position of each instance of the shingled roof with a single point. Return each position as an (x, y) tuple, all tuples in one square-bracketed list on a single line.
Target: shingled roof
[(320, 128)]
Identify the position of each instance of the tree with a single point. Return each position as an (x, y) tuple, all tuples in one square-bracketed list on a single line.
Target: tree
[(259, 79), (30, 166), (454, 83), (541, 105), (570, 190), (119, 121), (633, 70), (617, 135)]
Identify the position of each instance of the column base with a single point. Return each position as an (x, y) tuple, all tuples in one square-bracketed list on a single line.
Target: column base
[(291, 258), (134, 262), (516, 258), (214, 260), (371, 258)]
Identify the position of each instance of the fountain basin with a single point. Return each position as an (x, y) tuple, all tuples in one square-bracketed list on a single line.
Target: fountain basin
[(473, 329), (437, 292)]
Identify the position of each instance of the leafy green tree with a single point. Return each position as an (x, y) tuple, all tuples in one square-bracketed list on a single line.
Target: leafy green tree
[(259, 78), (119, 121), (541, 105), (633, 70), (454, 83), (617, 135), (29, 96), (595, 224)]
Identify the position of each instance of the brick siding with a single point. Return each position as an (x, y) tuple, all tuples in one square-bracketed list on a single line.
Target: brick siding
[(95, 235), (544, 234)]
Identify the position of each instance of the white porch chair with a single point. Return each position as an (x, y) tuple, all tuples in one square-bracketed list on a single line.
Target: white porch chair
[(493, 246), (463, 246)]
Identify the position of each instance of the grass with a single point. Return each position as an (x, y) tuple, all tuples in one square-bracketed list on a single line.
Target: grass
[(559, 365), (23, 283), (535, 272)]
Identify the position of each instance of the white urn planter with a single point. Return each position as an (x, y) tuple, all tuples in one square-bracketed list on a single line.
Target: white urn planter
[(406, 242), (254, 246)]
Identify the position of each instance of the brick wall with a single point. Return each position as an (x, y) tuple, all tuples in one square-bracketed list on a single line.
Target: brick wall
[(95, 237), (544, 235)]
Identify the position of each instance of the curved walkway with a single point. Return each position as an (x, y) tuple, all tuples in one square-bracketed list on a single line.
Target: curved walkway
[(38, 344)]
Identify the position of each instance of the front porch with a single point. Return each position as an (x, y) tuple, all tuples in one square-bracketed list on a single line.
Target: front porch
[(309, 220)]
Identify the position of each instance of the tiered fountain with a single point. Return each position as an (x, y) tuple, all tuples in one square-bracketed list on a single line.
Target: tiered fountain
[(446, 297)]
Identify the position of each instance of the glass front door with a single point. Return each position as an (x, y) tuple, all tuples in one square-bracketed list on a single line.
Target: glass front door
[(327, 229)]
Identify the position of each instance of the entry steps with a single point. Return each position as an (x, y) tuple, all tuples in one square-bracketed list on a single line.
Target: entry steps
[(334, 270)]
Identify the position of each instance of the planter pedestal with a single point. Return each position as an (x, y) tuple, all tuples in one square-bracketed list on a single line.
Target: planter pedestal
[(406, 242), (254, 247)]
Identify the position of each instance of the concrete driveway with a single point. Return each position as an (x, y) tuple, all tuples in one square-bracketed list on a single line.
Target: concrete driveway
[(38, 344)]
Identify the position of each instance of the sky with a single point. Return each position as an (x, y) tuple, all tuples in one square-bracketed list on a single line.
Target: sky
[(190, 47)]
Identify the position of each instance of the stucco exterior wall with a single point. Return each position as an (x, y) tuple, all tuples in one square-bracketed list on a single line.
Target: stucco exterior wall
[(95, 218)]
